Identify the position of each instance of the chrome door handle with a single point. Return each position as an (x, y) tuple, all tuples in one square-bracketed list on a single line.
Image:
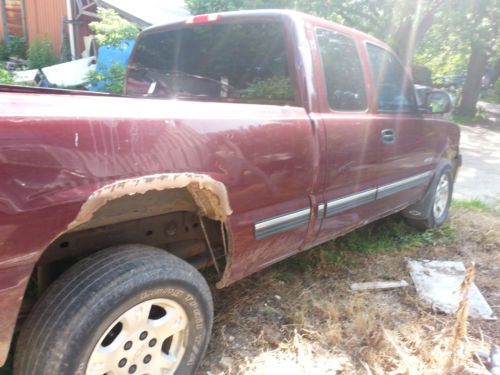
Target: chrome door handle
[(387, 136)]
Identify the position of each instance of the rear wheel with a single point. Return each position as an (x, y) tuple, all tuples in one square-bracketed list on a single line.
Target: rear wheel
[(127, 310)]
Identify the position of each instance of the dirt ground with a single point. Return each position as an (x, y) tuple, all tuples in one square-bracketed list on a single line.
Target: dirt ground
[(301, 317), (479, 146)]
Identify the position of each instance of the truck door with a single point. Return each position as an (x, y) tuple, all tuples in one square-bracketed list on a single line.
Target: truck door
[(406, 140), (351, 143)]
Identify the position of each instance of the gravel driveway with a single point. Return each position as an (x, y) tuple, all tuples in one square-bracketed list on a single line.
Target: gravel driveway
[(479, 177)]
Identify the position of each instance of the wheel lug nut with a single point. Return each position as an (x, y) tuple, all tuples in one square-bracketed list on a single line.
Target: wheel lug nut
[(152, 343), (122, 363), (143, 335), (128, 345), (147, 359), (132, 369)]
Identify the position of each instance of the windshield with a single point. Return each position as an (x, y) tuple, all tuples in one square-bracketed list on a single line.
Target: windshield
[(218, 62)]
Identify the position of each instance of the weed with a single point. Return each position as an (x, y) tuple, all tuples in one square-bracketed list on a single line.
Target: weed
[(41, 54), (108, 79), (4, 53), (393, 234), (5, 77), (293, 267), (476, 205), (111, 29), (17, 47)]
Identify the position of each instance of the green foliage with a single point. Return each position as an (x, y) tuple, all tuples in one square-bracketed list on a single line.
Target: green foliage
[(17, 47), (497, 87), (212, 6), (111, 80), (112, 29), (383, 18), (4, 53), (294, 266), (443, 39), (464, 119), (275, 88), (393, 234), (444, 56), (41, 54), (5, 77)]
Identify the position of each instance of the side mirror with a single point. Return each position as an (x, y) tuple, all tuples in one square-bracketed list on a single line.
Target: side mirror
[(438, 102)]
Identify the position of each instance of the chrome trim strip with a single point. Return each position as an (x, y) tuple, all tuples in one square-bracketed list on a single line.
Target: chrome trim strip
[(298, 218), (354, 200), (351, 201), (398, 186), (281, 223), (321, 210)]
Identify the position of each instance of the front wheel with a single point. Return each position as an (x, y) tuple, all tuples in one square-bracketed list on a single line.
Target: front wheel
[(126, 310), (439, 202)]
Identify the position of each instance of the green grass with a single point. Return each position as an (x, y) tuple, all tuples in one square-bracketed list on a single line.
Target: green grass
[(393, 234), (465, 119), (490, 97), (388, 235), (476, 205)]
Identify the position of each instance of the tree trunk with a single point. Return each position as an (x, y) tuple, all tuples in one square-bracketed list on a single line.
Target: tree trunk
[(409, 35), (496, 73), (472, 87)]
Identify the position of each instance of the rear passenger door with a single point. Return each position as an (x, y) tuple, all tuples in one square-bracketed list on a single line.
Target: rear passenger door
[(350, 155), (406, 139)]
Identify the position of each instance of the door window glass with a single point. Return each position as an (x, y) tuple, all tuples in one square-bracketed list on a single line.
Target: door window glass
[(343, 73), (395, 93)]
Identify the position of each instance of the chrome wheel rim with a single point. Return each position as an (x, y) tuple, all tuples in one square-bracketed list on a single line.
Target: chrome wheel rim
[(149, 338), (442, 196)]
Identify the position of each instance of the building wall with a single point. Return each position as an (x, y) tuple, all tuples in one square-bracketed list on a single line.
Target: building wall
[(1, 27), (14, 17), (44, 20)]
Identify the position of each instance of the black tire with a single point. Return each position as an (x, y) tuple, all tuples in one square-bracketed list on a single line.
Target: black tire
[(432, 220), (78, 308)]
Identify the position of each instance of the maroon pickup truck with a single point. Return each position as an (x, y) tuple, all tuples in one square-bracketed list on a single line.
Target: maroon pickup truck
[(241, 139)]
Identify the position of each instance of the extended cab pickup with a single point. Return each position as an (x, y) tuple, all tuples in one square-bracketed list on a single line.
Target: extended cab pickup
[(241, 139)]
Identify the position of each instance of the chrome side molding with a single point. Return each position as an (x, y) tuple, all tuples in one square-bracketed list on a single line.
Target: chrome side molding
[(294, 219), (281, 223), (351, 201), (407, 183)]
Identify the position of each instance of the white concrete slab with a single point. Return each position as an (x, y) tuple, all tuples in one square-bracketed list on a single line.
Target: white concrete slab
[(70, 74), (25, 76), (438, 282)]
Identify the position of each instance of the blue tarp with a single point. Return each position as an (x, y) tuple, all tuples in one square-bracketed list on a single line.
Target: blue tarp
[(108, 56)]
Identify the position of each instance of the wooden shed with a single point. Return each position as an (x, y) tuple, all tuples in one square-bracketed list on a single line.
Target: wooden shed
[(44, 19), (14, 17), (55, 19), (34, 19)]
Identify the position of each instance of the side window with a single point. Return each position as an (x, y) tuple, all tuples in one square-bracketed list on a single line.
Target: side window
[(343, 73), (395, 93)]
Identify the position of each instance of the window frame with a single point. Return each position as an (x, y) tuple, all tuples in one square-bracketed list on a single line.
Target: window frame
[(361, 65), (407, 77)]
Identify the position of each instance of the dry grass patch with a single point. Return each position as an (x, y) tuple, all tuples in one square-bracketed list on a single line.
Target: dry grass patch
[(300, 316)]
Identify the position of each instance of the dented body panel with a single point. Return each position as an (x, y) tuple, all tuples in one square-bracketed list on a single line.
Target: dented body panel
[(63, 157), (278, 177)]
